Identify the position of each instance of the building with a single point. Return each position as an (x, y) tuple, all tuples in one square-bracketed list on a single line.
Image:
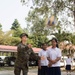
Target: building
[(12, 50)]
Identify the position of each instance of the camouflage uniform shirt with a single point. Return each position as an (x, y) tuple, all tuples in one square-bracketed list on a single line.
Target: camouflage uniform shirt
[(23, 55)]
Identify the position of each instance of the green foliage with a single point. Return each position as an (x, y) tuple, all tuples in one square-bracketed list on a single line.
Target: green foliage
[(15, 41), (41, 10), (65, 36), (37, 40), (46, 8), (0, 27), (16, 29), (15, 25), (61, 36), (7, 39), (53, 3), (25, 30), (37, 28)]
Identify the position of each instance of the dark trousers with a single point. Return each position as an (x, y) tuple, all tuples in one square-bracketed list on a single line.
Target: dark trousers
[(54, 71), (43, 70), (17, 71)]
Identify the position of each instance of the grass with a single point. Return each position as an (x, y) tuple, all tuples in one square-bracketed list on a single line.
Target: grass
[(6, 68), (30, 68), (12, 68)]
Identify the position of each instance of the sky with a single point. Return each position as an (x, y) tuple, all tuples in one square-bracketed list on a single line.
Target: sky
[(11, 10)]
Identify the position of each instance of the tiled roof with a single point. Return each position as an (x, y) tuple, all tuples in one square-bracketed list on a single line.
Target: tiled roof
[(14, 48)]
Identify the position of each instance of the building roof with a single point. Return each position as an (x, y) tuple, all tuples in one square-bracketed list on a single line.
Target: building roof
[(6, 48), (14, 48)]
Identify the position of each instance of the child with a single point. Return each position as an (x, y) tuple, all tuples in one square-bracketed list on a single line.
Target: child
[(43, 62), (54, 56), (68, 65)]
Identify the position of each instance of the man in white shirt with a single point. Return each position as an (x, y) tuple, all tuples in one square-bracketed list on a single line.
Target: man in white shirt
[(43, 62), (68, 64)]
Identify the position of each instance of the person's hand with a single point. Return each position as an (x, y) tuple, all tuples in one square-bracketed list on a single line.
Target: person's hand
[(50, 64), (29, 45), (54, 61), (39, 67)]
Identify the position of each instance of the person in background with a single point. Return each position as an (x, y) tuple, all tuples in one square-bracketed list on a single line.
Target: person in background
[(24, 52), (43, 62), (68, 65), (54, 56)]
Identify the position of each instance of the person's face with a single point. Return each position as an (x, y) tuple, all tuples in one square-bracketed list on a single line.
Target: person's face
[(44, 46), (54, 43), (24, 38)]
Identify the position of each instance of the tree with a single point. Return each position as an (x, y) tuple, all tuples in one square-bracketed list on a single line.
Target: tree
[(7, 39), (57, 7), (25, 30), (1, 34), (36, 41), (0, 27), (15, 25), (63, 36), (37, 28), (16, 28), (42, 9)]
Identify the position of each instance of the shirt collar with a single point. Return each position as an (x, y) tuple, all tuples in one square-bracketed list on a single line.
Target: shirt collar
[(54, 48)]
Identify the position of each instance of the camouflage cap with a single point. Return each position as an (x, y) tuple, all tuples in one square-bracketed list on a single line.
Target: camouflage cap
[(23, 34)]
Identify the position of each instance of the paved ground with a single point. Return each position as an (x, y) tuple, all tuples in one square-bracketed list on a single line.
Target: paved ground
[(31, 72)]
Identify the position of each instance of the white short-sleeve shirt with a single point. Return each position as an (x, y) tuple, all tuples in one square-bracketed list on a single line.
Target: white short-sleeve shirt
[(53, 53), (43, 55), (68, 61)]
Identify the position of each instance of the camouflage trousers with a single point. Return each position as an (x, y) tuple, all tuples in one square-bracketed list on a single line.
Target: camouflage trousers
[(17, 71)]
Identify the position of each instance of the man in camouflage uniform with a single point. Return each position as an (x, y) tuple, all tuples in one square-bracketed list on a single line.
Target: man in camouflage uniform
[(24, 52)]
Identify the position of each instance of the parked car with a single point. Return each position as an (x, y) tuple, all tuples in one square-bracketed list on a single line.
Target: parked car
[(73, 64), (74, 59), (2, 60), (9, 61)]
